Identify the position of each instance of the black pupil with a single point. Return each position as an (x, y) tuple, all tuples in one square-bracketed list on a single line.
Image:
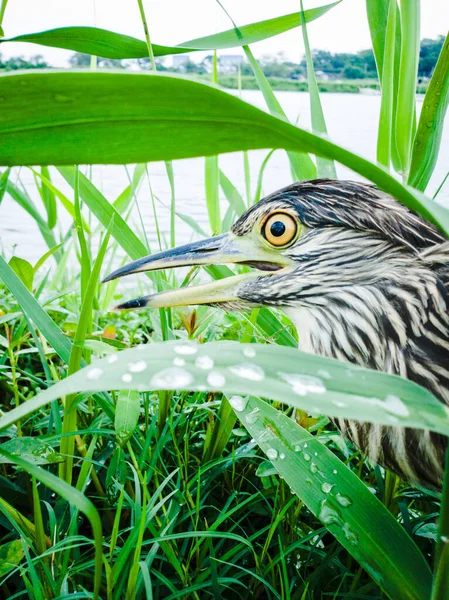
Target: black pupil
[(277, 229)]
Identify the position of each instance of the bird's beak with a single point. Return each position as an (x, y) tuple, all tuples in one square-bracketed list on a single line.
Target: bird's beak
[(223, 249)]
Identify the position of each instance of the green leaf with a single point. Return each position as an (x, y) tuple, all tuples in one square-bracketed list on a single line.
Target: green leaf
[(388, 82), (23, 270), (359, 521), (120, 126), (127, 413), (100, 42), (232, 194), (211, 179), (313, 383), (43, 259), (11, 555), (32, 449), (3, 181), (377, 12), (22, 198), (34, 310), (48, 198), (408, 71), (427, 141)]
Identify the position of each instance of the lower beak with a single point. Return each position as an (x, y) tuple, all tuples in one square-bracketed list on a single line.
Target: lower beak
[(223, 249)]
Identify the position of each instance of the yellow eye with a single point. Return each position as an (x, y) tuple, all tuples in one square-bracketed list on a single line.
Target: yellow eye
[(280, 229)]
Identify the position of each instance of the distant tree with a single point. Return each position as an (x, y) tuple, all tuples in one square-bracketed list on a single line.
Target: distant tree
[(350, 72), (18, 62), (428, 55), (79, 60)]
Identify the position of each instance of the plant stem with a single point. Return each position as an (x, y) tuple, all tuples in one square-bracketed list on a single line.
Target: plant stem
[(147, 34)]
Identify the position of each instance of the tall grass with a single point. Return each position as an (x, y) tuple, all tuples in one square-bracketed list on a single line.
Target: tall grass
[(113, 485)]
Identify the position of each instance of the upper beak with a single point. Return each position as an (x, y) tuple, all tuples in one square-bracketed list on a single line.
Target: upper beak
[(222, 249)]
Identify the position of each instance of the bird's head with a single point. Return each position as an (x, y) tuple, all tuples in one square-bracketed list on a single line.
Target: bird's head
[(305, 241)]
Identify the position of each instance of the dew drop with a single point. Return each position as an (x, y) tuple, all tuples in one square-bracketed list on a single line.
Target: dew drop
[(343, 500), (444, 539), (334, 471), (313, 468), (252, 416), (298, 448), (112, 358), (178, 361), (272, 453), (171, 378), (303, 384), (204, 362), (305, 445), (326, 487), (307, 457), (186, 349), (350, 535), (238, 403), (396, 406), (282, 456), (248, 371), (249, 352), (338, 403), (94, 373), (324, 374), (329, 515), (138, 366), (216, 379), (316, 453), (127, 377)]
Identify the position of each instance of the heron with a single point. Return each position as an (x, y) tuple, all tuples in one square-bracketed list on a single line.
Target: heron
[(364, 280)]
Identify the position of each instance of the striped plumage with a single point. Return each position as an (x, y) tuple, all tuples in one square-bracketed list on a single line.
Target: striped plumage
[(371, 288), (364, 279)]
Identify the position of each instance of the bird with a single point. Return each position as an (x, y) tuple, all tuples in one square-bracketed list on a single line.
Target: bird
[(364, 279)]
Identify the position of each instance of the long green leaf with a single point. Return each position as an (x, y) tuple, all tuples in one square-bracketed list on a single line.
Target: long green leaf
[(314, 383), (121, 126), (431, 122), (109, 44), (388, 81), (360, 522), (377, 12), (405, 114)]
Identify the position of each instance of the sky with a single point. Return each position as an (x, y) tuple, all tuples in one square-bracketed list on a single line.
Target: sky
[(343, 29)]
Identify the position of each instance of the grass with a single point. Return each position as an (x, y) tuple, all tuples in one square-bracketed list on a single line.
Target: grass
[(115, 493)]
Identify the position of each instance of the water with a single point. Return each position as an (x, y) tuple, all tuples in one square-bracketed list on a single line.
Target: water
[(351, 120)]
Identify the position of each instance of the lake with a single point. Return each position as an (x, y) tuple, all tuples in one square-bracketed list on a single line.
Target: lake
[(351, 120)]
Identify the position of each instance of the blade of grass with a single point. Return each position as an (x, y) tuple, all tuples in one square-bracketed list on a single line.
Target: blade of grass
[(314, 383), (427, 142), (100, 42), (341, 501), (377, 12), (388, 81), (405, 114), (208, 121)]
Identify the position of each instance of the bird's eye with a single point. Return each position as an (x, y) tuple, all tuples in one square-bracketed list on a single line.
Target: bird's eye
[(280, 229)]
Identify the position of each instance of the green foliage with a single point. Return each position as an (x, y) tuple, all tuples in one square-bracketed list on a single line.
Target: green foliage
[(169, 493)]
